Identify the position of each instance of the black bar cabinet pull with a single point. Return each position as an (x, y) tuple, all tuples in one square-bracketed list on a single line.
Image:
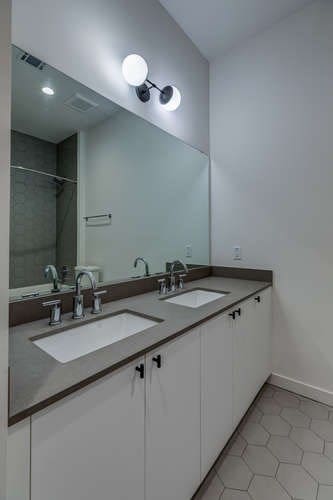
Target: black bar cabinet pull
[(233, 314), (141, 370), (158, 360), (239, 311), (258, 299)]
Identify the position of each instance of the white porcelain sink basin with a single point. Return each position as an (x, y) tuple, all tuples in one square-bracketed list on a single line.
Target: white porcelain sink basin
[(195, 298), (85, 338)]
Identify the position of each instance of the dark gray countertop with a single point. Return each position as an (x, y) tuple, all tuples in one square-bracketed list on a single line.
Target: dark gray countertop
[(37, 380)]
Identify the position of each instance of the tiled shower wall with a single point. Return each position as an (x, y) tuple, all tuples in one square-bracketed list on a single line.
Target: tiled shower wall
[(66, 203), (33, 210), (43, 213)]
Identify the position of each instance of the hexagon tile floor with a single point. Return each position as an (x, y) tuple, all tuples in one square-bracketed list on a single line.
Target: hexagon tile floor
[(283, 450)]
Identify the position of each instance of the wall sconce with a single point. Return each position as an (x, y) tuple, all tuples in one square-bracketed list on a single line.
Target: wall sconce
[(135, 72)]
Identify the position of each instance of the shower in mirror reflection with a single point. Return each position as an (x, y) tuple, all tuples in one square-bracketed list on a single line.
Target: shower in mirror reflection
[(43, 207), (86, 155)]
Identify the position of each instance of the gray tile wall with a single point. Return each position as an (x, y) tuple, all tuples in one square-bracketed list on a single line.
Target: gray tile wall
[(33, 210), (66, 251)]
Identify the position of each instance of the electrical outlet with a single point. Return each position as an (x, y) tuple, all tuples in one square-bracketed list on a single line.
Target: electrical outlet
[(188, 250), (237, 253)]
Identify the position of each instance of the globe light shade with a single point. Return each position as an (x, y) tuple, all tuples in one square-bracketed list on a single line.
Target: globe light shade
[(135, 70), (174, 101)]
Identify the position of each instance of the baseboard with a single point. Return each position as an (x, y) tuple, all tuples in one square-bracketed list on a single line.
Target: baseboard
[(307, 390)]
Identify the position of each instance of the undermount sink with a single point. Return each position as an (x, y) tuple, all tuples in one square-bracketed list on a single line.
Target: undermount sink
[(85, 338), (195, 298)]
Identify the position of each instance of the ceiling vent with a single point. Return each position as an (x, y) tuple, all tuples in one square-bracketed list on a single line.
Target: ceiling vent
[(32, 60), (80, 103)]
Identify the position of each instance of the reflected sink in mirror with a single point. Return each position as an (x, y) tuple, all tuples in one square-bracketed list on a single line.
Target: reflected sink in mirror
[(196, 298), (85, 338)]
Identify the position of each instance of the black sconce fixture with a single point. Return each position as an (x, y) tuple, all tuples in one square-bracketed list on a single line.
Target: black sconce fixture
[(135, 72)]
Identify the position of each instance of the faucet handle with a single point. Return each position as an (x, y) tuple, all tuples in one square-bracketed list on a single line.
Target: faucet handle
[(181, 284), (162, 289), (97, 301), (55, 311)]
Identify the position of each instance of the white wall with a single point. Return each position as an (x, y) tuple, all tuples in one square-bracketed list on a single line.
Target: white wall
[(88, 39), (272, 182), (157, 190), (4, 222)]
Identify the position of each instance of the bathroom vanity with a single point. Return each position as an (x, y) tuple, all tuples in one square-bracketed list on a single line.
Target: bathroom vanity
[(136, 398), (147, 416)]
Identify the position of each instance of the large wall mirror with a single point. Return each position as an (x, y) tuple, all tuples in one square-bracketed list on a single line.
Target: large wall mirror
[(94, 186)]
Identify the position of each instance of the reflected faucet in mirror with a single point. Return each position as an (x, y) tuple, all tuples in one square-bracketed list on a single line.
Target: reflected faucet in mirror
[(141, 259), (50, 269), (172, 276), (78, 305)]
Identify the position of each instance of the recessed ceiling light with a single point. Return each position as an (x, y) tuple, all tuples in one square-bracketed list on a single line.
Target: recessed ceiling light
[(48, 91)]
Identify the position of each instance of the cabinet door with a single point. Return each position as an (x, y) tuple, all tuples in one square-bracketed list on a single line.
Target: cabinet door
[(244, 359), (251, 352), (262, 312), (216, 388), (173, 420), (91, 445), (266, 322), (18, 461)]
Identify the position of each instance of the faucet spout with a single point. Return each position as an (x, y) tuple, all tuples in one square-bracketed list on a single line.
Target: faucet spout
[(79, 277), (141, 259), (51, 270), (78, 305), (174, 263)]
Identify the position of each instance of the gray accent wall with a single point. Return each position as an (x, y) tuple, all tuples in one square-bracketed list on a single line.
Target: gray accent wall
[(33, 210)]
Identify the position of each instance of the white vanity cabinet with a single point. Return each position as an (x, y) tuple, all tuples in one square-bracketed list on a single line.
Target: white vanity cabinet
[(91, 445), (173, 419), (18, 461), (251, 350), (216, 388), (152, 438), (125, 434)]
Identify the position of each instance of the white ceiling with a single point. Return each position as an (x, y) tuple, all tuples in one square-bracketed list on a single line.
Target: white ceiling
[(216, 26), (49, 118)]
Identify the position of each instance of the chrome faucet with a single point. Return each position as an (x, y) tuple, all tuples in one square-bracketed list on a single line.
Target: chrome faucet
[(172, 277), (141, 259), (78, 305), (50, 269)]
